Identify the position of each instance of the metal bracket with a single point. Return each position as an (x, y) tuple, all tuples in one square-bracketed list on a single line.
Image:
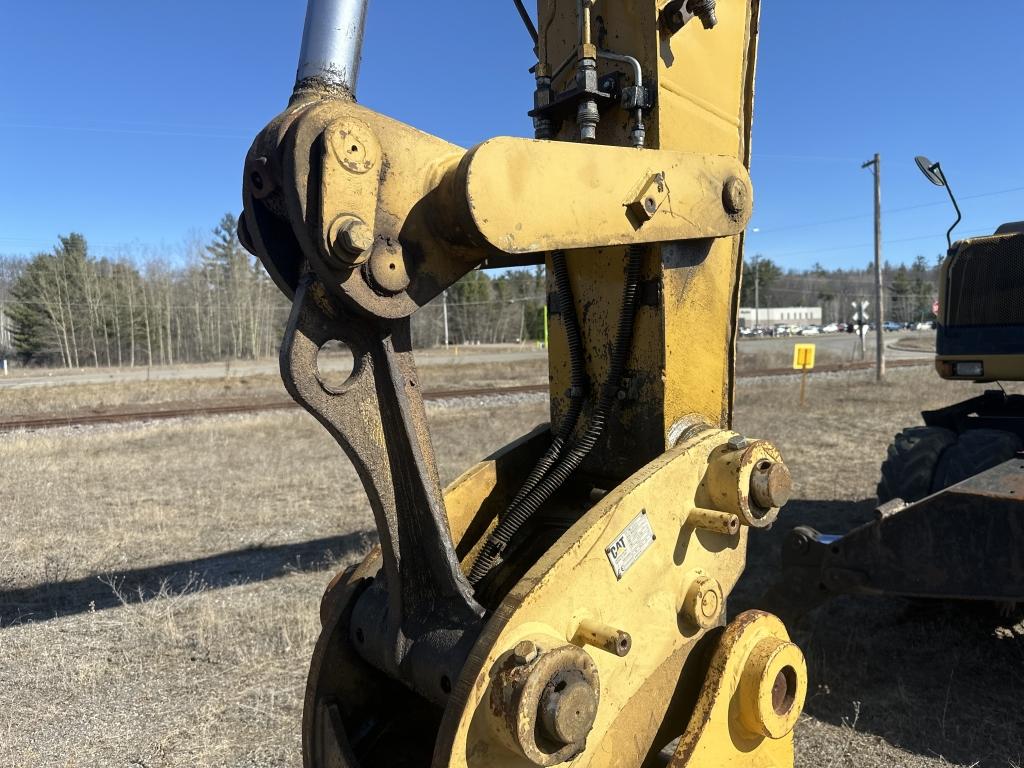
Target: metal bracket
[(378, 419)]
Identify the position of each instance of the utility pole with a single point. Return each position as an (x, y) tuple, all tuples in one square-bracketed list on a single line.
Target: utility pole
[(757, 290), (444, 312), (876, 169)]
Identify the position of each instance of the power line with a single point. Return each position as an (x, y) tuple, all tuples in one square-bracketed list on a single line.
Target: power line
[(987, 230), (808, 225)]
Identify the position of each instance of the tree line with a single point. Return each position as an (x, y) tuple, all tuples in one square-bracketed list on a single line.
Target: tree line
[(908, 292), (68, 308)]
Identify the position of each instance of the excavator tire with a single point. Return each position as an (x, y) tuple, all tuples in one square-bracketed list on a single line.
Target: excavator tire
[(910, 467), (975, 451)]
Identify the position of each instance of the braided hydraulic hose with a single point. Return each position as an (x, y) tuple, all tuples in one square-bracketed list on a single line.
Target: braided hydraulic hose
[(517, 515), (577, 379)]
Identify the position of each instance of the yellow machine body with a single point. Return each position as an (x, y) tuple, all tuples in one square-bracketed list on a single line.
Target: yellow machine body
[(600, 637), (980, 322)]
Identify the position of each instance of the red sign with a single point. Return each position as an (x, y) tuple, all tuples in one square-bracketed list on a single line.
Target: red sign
[(935, 307)]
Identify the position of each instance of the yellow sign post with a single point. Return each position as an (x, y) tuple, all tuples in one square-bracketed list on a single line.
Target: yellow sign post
[(803, 360)]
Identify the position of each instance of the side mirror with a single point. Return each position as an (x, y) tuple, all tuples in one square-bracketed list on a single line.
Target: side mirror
[(931, 170)]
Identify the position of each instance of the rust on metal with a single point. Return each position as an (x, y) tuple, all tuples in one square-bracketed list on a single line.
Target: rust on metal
[(544, 708), (743, 707), (608, 639)]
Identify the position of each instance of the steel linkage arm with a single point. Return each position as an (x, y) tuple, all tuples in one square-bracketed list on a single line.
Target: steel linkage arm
[(377, 418)]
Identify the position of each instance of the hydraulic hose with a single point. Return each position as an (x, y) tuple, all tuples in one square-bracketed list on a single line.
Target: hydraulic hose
[(568, 463), (530, 28), (577, 380)]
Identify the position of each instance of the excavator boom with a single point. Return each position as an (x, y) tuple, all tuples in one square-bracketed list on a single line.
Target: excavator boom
[(564, 600)]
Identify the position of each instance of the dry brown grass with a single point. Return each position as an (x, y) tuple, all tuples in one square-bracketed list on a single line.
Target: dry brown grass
[(750, 357), (64, 396), (892, 684), (160, 587), (161, 582)]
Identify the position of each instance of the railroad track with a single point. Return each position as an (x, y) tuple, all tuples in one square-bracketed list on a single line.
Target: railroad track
[(192, 410)]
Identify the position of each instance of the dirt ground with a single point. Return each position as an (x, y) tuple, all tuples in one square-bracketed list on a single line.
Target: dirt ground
[(159, 586)]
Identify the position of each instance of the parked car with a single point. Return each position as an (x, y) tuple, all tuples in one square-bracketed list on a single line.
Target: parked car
[(892, 325), (809, 330), (830, 328), (927, 325)]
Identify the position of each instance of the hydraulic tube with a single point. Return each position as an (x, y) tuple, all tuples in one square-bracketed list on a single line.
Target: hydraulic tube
[(332, 43)]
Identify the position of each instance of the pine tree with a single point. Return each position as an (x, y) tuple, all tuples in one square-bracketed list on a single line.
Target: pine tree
[(227, 265)]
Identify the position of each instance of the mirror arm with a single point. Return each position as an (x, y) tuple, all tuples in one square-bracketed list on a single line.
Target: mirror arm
[(945, 183)]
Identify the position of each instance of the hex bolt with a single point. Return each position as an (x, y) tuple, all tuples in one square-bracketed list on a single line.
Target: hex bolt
[(737, 442), (735, 195), (568, 708), (351, 239), (356, 237), (524, 652), (771, 485), (703, 601)]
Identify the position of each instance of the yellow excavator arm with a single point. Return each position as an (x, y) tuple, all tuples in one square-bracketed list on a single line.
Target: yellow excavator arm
[(564, 600)]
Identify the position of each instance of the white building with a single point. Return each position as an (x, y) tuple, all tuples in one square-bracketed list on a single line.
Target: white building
[(769, 316)]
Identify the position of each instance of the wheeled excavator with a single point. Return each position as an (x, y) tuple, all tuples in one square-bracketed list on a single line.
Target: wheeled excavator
[(564, 600), (950, 520)]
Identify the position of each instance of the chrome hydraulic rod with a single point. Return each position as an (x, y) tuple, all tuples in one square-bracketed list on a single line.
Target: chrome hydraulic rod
[(332, 44)]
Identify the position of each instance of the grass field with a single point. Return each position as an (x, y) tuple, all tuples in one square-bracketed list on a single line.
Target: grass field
[(159, 585), (241, 386)]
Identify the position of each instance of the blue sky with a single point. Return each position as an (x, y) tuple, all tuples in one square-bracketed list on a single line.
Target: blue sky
[(128, 121)]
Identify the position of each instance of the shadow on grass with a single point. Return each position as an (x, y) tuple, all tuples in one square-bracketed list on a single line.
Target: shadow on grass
[(937, 679), (110, 590)]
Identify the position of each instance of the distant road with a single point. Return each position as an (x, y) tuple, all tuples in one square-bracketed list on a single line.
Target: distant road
[(845, 345)]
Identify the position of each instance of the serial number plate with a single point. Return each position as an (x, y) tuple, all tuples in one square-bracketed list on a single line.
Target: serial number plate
[(630, 544)]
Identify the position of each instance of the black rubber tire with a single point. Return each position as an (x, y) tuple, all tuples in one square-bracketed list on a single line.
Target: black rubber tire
[(909, 468), (975, 451)]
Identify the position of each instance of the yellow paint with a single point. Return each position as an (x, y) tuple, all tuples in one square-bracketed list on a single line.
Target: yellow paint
[(803, 356), (735, 724), (570, 195), (574, 581)]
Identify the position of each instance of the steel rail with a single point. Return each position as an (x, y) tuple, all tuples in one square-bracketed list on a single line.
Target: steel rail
[(200, 409)]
